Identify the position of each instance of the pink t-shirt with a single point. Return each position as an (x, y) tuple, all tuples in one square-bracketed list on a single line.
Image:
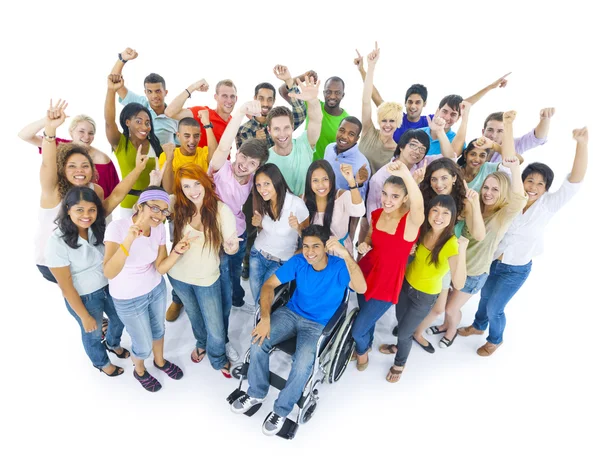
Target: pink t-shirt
[(232, 193), (139, 275)]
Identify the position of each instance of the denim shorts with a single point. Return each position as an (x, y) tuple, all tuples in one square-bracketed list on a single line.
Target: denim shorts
[(474, 284)]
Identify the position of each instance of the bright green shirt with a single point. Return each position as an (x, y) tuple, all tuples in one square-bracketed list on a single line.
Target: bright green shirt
[(126, 153), (329, 128), (294, 166)]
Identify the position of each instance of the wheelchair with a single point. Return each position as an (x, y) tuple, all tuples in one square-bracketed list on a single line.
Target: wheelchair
[(334, 350)]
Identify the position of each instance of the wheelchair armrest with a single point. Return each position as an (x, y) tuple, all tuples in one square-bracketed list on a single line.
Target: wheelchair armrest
[(339, 315), (282, 293)]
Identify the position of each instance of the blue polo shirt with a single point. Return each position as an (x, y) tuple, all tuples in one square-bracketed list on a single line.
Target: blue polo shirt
[(318, 294), (165, 128), (407, 125), (352, 156)]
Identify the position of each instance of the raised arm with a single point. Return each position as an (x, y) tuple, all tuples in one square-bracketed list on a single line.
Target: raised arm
[(346, 170), (219, 157), (509, 157), (542, 129), (372, 58), (29, 133), (168, 178), (117, 69), (309, 93), (113, 135), (499, 83), (416, 215), (210, 135), (55, 117), (473, 216), (436, 125), (298, 111), (284, 90), (357, 279), (175, 109), (581, 155), (358, 61), (459, 140), (121, 190)]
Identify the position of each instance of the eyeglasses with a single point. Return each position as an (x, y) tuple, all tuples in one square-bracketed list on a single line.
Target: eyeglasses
[(419, 148), (156, 209)]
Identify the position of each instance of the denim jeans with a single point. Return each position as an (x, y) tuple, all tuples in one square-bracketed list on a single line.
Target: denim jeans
[(95, 303), (474, 284), (144, 318), (502, 284), (234, 263), (225, 280), (203, 305), (261, 270), (413, 306), (284, 325), (174, 296), (363, 329), (46, 273)]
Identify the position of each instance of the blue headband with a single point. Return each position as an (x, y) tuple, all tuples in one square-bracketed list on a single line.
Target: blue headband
[(148, 195)]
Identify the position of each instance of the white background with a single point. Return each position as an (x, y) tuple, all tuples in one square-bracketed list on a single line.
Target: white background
[(533, 403)]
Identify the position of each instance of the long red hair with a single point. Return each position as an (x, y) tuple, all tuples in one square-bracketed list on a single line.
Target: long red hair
[(185, 209)]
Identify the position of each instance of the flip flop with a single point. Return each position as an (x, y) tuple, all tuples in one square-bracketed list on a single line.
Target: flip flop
[(394, 372), (226, 370), (199, 356), (388, 349)]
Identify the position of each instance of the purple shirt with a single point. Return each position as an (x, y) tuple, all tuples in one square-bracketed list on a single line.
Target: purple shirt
[(522, 144), (407, 125), (352, 156), (232, 193)]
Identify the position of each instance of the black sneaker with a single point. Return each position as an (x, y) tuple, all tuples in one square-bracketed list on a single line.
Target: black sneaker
[(272, 424), (147, 381), (245, 271)]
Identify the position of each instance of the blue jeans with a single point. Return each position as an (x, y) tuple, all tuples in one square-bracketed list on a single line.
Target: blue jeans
[(203, 305), (363, 329), (261, 270), (225, 279), (284, 325), (95, 303), (235, 271), (474, 284), (144, 318), (502, 284)]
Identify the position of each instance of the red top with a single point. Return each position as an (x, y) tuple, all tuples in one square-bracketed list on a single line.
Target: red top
[(384, 265), (108, 178), (218, 124)]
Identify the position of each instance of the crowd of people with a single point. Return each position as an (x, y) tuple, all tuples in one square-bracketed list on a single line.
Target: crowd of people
[(397, 207)]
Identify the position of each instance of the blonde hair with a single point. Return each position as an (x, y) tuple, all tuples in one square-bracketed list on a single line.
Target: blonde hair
[(226, 82), (504, 182), (81, 118), (390, 111)]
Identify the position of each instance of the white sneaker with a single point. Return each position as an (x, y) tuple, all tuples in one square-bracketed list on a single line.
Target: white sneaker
[(272, 424), (246, 308), (244, 403), (231, 353)]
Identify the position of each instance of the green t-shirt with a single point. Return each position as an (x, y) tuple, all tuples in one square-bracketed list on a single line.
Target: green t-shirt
[(294, 166), (329, 128), (126, 153)]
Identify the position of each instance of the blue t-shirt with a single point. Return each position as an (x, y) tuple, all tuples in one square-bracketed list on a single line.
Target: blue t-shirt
[(434, 145), (318, 294), (407, 124)]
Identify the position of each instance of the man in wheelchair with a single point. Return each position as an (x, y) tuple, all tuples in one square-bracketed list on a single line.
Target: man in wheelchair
[(321, 282)]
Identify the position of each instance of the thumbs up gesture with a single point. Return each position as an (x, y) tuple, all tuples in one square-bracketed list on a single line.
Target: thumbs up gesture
[(294, 224)]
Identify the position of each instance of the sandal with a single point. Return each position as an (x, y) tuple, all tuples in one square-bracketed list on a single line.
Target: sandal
[(388, 349), (124, 354), (226, 369), (148, 381), (104, 327), (434, 330), (196, 356), (446, 343), (170, 369), (118, 371), (394, 375)]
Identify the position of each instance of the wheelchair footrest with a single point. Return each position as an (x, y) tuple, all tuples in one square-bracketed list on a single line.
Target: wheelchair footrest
[(288, 430), (238, 393)]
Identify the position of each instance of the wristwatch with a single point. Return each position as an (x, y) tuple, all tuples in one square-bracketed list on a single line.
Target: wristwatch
[(210, 125), (121, 58)]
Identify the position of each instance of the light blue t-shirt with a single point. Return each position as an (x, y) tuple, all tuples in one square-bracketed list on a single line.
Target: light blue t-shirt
[(434, 145), (485, 171), (352, 156), (85, 262), (165, 128), (318, 294)]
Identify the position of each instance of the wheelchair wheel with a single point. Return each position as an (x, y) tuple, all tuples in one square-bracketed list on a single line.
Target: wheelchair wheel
[(238, 373), (307, 412), (343, 348)]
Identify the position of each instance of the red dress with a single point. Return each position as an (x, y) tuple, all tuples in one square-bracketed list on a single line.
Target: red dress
[(384, 265)]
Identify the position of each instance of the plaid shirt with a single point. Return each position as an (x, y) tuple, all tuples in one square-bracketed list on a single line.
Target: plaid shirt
[(249, 129)]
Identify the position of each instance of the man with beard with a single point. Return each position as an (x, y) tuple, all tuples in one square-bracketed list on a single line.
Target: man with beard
[(333, 114), (265, 93)]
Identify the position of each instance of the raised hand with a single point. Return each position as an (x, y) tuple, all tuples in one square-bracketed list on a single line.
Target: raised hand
[(483, 143), (437, 124), (465, 107), (334, 247), (257, 219), (282, 72), (500, 82), (509, 116), (115, 82), (261, 134), (363, 248), (140, 159), (463, 243), (200, 85), (547, 113), (232, 245), (184, 244), (204, 116), (511, 161), (56, 116), (250, 108), (129, 54), (309, 90), (311, 74), (472, 196), (358, 61), (419, 174), (580, 135), (398, 168), (347, 173), (293, 221), (362, 175), (373, 56), (135, 230)]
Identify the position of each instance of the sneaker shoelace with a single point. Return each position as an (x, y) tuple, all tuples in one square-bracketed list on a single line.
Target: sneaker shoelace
[(274, 419)]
